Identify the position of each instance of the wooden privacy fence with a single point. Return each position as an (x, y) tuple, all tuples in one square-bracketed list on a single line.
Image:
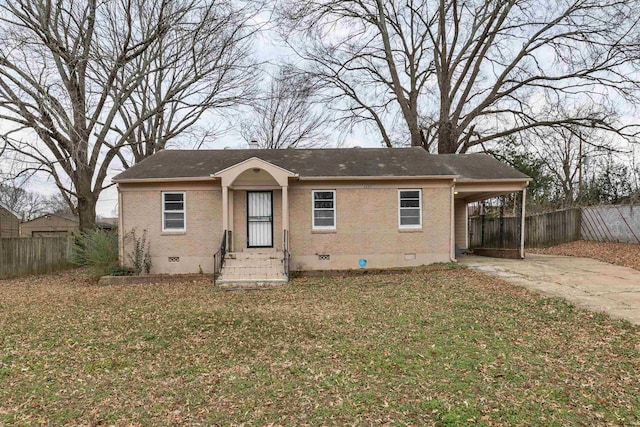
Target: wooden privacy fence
[(23, 256), (540, 230)]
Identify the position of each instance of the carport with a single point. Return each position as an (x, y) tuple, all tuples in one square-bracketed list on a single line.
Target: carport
[(484, 179)]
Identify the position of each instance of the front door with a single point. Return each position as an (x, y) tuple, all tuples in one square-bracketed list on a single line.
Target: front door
[(259, 219)]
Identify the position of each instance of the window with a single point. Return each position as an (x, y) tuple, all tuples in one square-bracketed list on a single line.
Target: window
[(173, 212), (410, 208), (324, 209)]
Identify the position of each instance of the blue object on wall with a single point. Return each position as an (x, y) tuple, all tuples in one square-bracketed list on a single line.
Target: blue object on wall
[(362, 262)]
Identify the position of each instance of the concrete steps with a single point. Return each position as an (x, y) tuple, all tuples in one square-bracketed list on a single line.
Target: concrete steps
[(252, 269)]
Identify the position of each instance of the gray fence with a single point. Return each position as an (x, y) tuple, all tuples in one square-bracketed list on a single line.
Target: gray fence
[(23, 256), (611, 223), (541, 230)]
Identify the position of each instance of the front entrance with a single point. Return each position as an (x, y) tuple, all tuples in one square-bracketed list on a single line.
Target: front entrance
[(259, 219)]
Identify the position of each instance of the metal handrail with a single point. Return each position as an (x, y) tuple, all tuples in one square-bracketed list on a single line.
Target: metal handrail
[(218, 257)]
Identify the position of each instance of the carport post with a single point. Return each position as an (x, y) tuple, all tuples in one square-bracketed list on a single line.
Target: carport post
[(522, 221)]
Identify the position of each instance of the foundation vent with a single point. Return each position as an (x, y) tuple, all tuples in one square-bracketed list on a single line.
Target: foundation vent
[(174, 259), (324, 257)]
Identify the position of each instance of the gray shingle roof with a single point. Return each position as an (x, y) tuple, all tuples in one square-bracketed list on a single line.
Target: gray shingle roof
[(334, 162)]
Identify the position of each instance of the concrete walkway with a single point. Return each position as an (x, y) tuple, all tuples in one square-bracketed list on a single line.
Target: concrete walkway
[(585, 282)]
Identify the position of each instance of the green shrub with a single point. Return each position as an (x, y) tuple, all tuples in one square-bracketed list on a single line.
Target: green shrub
[(140, 256), (96, 249), (120, 270)]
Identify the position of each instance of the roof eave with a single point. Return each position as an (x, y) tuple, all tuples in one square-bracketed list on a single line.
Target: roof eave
[(376, 177), (493, 180), (173, 179)]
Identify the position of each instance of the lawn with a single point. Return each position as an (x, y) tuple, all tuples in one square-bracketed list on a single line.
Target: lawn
[(439, 346)]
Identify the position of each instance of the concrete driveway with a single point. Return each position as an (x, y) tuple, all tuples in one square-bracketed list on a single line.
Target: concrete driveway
[(587, 283)]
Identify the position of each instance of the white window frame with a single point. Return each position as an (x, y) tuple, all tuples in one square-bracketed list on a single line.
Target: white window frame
[(313, 210), (183, 212), (414, 226)]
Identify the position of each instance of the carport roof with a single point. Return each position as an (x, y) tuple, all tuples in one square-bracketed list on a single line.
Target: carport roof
[(318, 163)]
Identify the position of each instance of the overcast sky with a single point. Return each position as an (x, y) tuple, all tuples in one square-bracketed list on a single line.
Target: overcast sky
[(268, 50)]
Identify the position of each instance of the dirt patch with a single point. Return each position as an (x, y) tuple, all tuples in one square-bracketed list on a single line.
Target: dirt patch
[(624, 254)]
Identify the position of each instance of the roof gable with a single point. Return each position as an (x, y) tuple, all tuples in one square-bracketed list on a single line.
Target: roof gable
[(2, 206), (278, 173)]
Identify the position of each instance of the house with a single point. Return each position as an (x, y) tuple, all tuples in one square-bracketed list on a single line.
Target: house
[(50, 225), (304, 209), (9, 223)]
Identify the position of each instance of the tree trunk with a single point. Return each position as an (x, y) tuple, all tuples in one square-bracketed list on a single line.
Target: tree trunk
[(87, 200), (416, 137), (87, 212), (447, 138)]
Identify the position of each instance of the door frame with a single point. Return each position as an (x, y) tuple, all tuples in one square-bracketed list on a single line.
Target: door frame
[(272, 219)]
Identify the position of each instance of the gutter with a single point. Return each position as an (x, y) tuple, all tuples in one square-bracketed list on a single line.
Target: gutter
[(151, 180), (376, 178), (494, 180), (212, 177)]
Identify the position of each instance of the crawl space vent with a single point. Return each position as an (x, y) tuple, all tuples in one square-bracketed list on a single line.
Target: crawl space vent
[(324, 257), (174, 259)]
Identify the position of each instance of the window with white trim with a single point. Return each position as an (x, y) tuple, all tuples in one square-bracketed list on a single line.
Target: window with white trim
[(324, 209), (174, 216), (410, 208)]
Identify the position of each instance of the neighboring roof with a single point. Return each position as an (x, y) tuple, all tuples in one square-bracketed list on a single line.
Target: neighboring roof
[(107, 222), (10, 211), (64, 215), (110, 220), (333, 162)]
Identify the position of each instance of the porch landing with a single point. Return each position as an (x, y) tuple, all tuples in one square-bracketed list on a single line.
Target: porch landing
[(253, 268)]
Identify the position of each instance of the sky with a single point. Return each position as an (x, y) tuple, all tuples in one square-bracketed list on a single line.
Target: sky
[(268, 50)]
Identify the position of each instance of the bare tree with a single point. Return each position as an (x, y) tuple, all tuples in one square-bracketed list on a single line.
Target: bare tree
[(461, 74), (26, 203), (56, 203), (202, 64), (286, 116), (372, 57), (76, 75), (564, 152)]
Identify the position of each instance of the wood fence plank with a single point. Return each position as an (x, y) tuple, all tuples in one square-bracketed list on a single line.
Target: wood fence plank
[(541, 230), (24, 256)]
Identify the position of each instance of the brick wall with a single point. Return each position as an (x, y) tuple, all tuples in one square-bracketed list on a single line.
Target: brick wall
[(366, 226), (142, 210)]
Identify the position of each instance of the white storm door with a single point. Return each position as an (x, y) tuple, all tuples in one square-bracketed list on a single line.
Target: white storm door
[(259, 219)]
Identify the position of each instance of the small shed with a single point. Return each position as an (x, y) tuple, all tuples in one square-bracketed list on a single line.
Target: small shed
[(9, 223), (50, 225)]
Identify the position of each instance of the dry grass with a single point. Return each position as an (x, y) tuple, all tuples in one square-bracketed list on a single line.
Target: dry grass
[(624, 254), (440, 346)]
